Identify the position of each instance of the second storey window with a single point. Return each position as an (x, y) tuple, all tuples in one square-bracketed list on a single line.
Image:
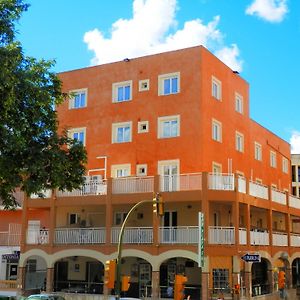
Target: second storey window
[(216, 131), (121, 132), (257, 151), (122, 91), (77, 134), (273, 159), (78, 99), (238, 103), (120, 170), (239, 142), (216, 87), (168, 127), (285, 165), (169, 84)]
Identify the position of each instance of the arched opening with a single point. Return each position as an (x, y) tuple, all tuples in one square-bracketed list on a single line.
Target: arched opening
[(296, 272), (183, 266), (260, 278)]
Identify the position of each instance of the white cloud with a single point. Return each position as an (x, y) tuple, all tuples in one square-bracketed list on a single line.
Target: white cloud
[(269, 10), (153, 29), (295, 142)]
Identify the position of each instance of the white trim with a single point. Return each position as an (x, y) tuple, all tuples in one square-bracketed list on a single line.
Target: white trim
[(162, 120), (239, 141), (115, 87), (114, 131), (163, 77), (72, 98), (115, 168), (71, 132), (138, 169), (144, 85), (141, 124), (273, 159), (162, 163), (218, 125), (216, 93), (239, 103)]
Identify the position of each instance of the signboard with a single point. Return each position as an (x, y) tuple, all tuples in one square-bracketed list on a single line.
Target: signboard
[(201, 239), (248, 257), (11, 256)]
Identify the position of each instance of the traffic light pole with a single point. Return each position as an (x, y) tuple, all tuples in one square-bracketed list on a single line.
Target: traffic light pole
[(118, 273)]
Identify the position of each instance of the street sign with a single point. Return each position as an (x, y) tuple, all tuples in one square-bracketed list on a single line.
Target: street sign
[(201, 239), (249, 257)]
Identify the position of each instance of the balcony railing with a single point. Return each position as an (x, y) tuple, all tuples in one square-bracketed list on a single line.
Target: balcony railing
[(37, 236), (221, 235), (128, 185), (8, 285), (242, 184), (280, 239), (133, 235), (223, 182), (179, 235), (182, 182), (258, 190), (278, 196), (42, 194), (259, 237), (243, 236), (88, 188), (294, 201), (7, 239), (295, 240), (80, 236)]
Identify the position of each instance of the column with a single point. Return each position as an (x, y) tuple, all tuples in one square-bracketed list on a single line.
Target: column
[(236, 269), (271, 279), (24, 223), (235, 220), (248, 280), (108, 211), (154, 216), (205, 279), (247, 211), (270, 225), (49, 280), (52, 225), (205, 207), (21, 280), (155, 285)]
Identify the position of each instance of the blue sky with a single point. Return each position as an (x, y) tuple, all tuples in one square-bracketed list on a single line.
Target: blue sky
[(259, 38)]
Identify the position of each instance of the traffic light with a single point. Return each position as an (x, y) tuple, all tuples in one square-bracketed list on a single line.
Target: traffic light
[(237, 288), (125, 283), (281, 280), (158, 205), (179, 285), (110, 273)]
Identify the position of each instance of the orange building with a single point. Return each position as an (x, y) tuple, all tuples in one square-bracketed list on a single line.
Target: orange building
[(178, 124)]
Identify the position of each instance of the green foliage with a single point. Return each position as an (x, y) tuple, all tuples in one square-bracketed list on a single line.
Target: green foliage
[(33, 156)]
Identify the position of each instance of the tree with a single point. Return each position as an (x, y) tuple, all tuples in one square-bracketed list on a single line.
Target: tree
[(33, 155)]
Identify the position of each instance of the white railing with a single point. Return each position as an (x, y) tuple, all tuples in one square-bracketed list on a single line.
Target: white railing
[(221, 235), (169, 183), (279, 239), (7, 239), (278, 196), (295, 240), (258, 190), (133, 235), (242, 184), (80, 236), (182, 182), (259, 237), (37, 236), (243, 236), (88, 188), (179, 235), (42, 194), (294, 201), (221, 182), (127, 185)]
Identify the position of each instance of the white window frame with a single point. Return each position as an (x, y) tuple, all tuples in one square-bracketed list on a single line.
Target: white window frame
[(73, 93), (115, 127), (273, 159), (285, 165), (216, 130), (141, 170), (141, 126), (239, 141), (144, 85), (116, 86), (169, 76), (124, 168), (160, 126), (216, 88), (257, 151), (239, 103), (72, 131)]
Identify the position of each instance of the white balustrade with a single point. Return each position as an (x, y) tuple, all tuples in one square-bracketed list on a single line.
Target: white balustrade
[(294, 201), (279, 239), (179, 235), (243, 236), (278, 196), (222, 182), (128, 185), (80, 236), (181, 182), (259, 237), (258, 190), (87, 189), (295, 240), (42, 194), (221, 235), (242, 184), (133, 235), (37, 236)]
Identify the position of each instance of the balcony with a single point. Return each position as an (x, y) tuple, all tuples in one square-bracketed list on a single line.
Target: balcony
[(258, 190), (294, 201), (179, 235), (259, 237), (280, 239), (278, 196), (37, 236), (221, 182), (12, 237), (129, 185), (133, 235), (182, 182), (295, 240), (80, 236), (221, 235)]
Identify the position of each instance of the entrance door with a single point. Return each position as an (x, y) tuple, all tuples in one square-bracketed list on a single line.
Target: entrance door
[(169, 175), (170, 226), (144, 280), (61, 275), (12, 271)]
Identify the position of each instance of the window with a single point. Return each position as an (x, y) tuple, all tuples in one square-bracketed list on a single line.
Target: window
[(120, 217), (293, 173), (78, 98), (73, 219), (168, 127), (221, 280), (141, 170), (122, 91), (168, 171), (120, 170), (169, 84), (257, 151), (273, 159), (238, 103), (143, 126), (121, 132), (239, 142), (78, 134), (285, 165), (216, 88), (144, 85), (31, 265), (216, 130)]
